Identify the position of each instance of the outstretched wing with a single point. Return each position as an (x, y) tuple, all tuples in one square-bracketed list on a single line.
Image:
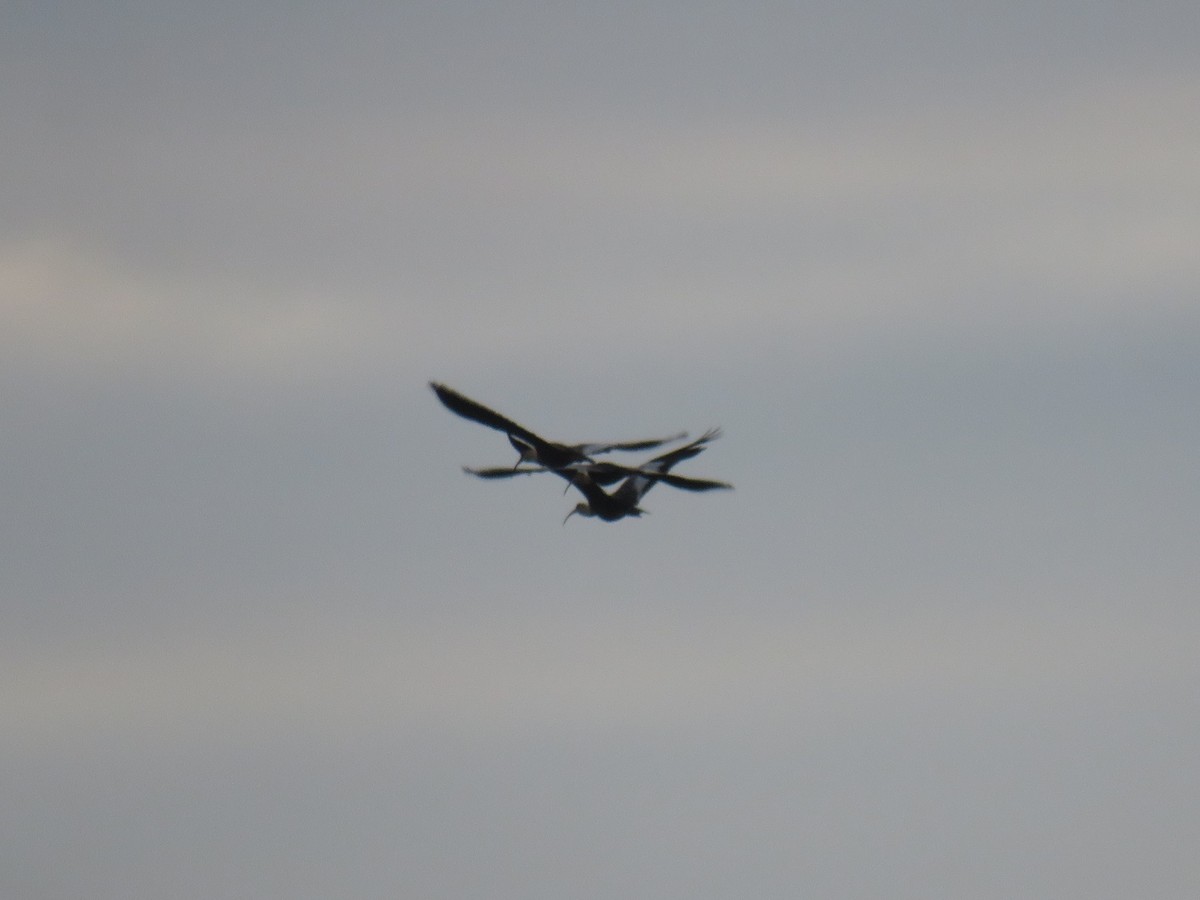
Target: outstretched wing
[(504, 472), (602, 474), (606, 473), (477, 412), (650, 444), (687, 451), (636, 486), (693, 484)]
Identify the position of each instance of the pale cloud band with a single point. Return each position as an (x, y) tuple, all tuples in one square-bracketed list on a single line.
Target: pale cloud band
[(1054, 210)]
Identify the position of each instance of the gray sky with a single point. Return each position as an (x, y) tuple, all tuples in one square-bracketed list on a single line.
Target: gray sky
[(932, 267)]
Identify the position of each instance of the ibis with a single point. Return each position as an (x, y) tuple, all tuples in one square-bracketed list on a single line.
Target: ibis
[(624, 500), (530, 447)]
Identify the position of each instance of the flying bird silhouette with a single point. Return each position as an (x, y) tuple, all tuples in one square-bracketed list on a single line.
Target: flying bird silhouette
[(625, 499), (530, 446), (601, 473), (574, 462)]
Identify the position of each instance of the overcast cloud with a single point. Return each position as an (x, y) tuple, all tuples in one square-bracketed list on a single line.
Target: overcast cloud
[(931, 266)]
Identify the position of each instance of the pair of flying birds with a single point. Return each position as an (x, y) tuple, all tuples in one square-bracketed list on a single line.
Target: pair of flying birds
[(574, 462)]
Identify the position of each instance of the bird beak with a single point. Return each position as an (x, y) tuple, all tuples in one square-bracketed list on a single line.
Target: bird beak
[(568, 515)]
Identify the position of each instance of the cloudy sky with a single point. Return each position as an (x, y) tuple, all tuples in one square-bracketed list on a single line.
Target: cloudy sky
[(933, 267)]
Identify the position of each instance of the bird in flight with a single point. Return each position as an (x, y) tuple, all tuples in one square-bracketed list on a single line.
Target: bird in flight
[(574, 462), (530, 446), (624, 500)]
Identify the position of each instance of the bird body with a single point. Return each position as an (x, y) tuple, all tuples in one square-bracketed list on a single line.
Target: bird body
[(574, 462), (625, 499)]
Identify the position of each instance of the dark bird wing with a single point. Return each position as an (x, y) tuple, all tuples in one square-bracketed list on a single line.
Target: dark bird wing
[(649, 444), (664, 462), (477, 412), (693, 484), (504, 472), (606, 473), (635, 487), (601, 473)]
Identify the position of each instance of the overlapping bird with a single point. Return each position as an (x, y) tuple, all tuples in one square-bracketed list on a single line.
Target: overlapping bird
[(575, 462)]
